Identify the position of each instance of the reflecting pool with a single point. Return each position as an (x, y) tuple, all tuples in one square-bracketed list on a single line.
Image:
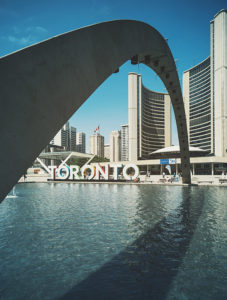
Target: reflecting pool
[(110, 241)]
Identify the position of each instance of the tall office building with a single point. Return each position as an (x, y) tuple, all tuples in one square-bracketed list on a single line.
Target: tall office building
[(107, 151), (124, 142), (72, 138), (81, 142), (97, 144), (115, 146), (62, 138), (66, 138), (205, 93), (149, 119)]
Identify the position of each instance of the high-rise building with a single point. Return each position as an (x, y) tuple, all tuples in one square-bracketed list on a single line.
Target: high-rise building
[(149, 119), (72, 138), (115, 146), (81, 142), (205, 93), (66, 138), (97, 144), (62, 138), (124, 142), (107, 151)]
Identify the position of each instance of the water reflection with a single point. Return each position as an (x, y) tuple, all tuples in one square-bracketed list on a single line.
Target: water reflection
[(146, 268), (88, 241)]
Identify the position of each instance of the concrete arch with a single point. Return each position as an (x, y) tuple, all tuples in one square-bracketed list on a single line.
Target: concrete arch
[(42, 85)]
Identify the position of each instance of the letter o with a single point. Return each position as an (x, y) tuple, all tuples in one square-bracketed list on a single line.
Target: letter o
[(125, 169), (62, 176), (84, 168)]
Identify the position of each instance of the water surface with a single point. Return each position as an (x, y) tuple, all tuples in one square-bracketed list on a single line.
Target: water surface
[(101, 241)]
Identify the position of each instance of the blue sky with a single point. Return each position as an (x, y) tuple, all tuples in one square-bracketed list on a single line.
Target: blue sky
[(186, 24)]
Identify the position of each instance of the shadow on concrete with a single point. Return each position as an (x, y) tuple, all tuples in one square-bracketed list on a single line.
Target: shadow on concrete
[(146, 268)]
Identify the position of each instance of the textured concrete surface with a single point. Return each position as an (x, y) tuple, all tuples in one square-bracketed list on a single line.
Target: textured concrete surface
[(43, 85)]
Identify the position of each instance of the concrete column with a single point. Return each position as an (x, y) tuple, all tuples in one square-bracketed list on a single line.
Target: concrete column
[(212, 169), (52, 160), (132, 116), (193, 169)]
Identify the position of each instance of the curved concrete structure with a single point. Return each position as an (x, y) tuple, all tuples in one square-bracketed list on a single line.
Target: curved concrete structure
[(149, 119), (43, 85)]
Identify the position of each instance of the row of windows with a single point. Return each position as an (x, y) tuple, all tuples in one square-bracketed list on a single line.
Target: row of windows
[(198, 81), (202, 95), (200, 113), (151, 126), (200, 89), (200, 133), (152, 95), (151, 122), (154, 108), (200, 120), (201, 138), (150, 102), (202, 145), (194, 89), (152, 112), (205, 73), (200, 105), (153, 145), (153, 130), (200, 67), (153, 117), (153, 105), (200, 128), (157, 138)]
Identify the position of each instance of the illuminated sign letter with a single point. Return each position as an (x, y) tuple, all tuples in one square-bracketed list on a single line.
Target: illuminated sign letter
[(74, 170), (52, 170), (63, 176), (92, 171), (125, 174), (115, 172), (100, 171)]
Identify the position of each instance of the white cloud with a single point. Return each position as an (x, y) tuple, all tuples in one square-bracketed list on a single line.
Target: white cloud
[(22, 40), (30, 35), (36, 29)]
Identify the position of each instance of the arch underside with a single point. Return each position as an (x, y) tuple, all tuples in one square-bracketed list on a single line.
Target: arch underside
[(43, 85)]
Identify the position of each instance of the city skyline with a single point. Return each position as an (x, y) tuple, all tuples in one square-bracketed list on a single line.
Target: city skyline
[(26, 23)]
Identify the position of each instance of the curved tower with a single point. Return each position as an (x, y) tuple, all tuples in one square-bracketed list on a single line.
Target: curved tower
[(149, 119), (205, 93), (199, 108)]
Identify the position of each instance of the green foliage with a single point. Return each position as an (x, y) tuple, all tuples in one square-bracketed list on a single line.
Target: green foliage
[(99, 159), (78, 161), (82, 161)]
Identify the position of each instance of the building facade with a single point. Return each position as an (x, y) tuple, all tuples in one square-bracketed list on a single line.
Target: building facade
[(205, 93), (198, 105), (124, 142), (72, 138), (115, 146), (66, 138), (149, 119), (81, 142), (107, 151), (97, 144), (62, 138)]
